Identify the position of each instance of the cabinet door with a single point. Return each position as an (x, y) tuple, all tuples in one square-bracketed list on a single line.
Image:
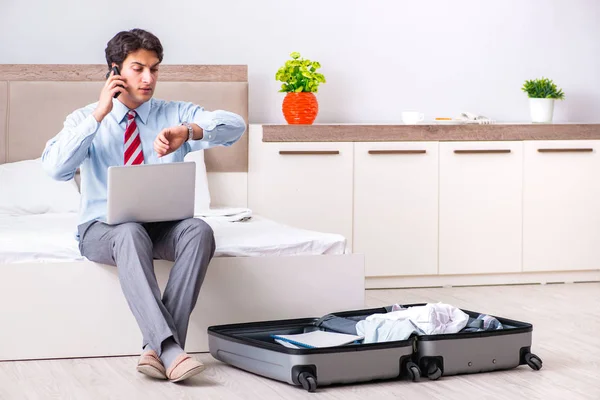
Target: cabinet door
[(305, 185), (480, 207), (396, 207), (561, 205)]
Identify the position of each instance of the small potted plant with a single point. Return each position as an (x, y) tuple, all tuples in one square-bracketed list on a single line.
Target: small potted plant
[(300, 81), (542, 93)]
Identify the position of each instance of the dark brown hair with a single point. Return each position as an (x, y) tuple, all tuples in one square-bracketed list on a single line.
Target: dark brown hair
[(125, 42)]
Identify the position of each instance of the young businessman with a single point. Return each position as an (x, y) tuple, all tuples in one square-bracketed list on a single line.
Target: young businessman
[(131, 129)]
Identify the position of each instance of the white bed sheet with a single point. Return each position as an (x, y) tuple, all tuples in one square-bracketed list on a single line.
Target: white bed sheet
[(50, 238)]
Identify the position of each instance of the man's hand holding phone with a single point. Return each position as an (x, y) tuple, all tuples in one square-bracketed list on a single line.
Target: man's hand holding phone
[(114, 86)]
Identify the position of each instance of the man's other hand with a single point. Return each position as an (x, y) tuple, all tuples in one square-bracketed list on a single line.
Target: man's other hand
[(170, 139)]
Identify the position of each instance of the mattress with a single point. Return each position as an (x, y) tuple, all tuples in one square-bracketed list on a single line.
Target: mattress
[(51, 238)]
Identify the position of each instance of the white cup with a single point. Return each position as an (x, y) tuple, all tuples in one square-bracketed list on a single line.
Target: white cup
[(412, 117)]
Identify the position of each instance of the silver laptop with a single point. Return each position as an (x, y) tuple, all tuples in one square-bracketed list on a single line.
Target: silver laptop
[(151, 192)]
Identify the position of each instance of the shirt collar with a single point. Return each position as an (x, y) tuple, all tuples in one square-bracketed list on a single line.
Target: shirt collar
[(121, 110)]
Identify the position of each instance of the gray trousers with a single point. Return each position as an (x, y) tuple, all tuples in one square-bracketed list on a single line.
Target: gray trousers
[(132, 248)]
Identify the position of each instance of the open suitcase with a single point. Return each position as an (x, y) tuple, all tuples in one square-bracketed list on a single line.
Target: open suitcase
[(249, 346)]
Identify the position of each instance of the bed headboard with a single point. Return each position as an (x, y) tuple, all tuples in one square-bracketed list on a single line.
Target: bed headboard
[(53, 91)]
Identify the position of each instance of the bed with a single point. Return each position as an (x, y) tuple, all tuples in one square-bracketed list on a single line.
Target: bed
[(57, 304), (253, 236)]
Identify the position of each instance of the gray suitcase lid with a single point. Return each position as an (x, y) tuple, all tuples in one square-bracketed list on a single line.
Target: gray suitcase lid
[(257, 334)]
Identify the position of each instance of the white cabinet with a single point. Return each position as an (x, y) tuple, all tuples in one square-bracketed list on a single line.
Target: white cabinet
[(396, 207), (433, 212), (480, 214), (561, 205), (305, 185)]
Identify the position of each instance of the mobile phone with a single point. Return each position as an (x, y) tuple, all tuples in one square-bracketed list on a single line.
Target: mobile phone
[(116, 71)]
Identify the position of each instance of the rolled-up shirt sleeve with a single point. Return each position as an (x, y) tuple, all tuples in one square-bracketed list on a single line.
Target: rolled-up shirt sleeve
[(221, 128)]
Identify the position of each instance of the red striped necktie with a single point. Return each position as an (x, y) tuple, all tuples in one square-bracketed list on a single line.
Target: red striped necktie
[(133, 144)]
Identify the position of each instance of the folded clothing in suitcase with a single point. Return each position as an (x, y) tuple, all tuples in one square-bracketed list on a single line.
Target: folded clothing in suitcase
[(252, 347)]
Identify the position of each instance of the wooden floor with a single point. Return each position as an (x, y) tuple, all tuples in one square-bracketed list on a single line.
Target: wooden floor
[(566, 335)]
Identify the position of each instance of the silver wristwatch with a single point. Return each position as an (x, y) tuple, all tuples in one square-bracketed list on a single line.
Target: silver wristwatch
[(190, 130)]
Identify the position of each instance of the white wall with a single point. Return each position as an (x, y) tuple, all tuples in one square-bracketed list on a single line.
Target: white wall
[(380, 57)]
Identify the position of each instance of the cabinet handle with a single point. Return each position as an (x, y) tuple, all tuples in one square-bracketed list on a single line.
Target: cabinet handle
[(580, 150), (308, 152), (397, 151), (488, 151)]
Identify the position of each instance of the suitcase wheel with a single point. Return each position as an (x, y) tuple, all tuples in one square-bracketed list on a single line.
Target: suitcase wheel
[(308, 381), (413, 371), (433, 371), (533, 361)]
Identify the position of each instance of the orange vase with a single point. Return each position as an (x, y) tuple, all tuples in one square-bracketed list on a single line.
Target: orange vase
[(300, 108)]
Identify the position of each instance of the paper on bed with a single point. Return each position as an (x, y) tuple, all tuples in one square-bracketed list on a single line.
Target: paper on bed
[(226, 214)]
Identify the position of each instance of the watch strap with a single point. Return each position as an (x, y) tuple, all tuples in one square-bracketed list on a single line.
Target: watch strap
[(190, 130)]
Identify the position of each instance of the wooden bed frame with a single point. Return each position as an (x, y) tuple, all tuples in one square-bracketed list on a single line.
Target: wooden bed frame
[(77, 309)]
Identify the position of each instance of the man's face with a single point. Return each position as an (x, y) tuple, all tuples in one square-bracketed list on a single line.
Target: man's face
[(140, 71)]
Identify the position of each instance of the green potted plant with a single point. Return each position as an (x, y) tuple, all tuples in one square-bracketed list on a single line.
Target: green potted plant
[(542, 93), (300, 81)]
